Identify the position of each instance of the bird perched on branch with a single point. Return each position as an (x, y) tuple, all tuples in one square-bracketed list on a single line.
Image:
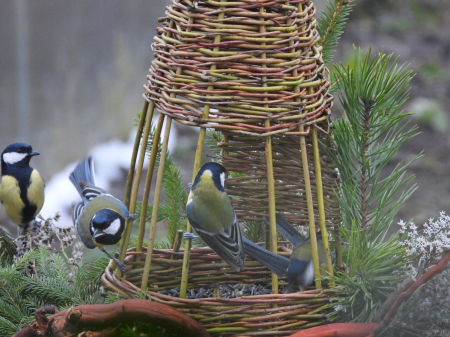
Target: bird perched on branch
[(100, 218), (301, 269), (21, 187), (211, 214)]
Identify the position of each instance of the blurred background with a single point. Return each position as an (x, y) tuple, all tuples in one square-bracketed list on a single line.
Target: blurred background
[(72, 74)]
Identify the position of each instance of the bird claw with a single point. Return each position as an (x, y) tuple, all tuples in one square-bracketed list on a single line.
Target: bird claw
[(120, 265), (189, 236)]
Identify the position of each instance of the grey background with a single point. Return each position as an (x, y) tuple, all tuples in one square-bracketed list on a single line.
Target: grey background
[(71, 76)]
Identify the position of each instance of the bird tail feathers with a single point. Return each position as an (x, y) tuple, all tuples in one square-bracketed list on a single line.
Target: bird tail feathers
[(288, 231), (276, 263), (84, 172)]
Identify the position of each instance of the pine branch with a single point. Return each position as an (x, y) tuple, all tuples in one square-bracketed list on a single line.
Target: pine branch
[(364, 174), (254, 231), (22, 293), (331, 25), (7, 247), (366, 139), (213, 137), (173, 209)]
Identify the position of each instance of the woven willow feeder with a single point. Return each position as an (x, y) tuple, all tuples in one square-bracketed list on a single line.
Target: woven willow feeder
[(253, 70)]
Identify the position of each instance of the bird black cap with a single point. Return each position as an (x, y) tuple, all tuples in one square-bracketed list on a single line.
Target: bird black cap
[(216, 170)]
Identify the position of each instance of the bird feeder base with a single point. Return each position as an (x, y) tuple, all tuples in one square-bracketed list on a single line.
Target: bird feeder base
[(258, 315)]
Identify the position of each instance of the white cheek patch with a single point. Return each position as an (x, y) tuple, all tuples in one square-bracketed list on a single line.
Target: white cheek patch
[(113, 228), (13, 157), (222, 179)]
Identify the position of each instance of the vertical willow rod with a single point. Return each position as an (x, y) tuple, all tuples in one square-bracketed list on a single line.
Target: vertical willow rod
[(309, 202), (132, 206), (309, 199), (137, 141), (148, 183), (338, 247), (150, 169), (270, 177), (158, 187), (197, 163), (320, 203)]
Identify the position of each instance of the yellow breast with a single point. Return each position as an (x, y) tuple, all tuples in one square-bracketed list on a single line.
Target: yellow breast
[(36, 193), (10, 198)]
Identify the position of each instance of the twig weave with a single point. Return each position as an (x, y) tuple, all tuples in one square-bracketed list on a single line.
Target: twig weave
[(259, 61)]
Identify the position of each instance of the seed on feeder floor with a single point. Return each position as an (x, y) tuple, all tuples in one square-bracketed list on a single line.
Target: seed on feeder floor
[(261, 287)]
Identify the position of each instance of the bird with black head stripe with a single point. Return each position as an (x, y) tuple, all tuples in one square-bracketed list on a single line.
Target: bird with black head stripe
[(100, 218), (21, 187), (211, 214)]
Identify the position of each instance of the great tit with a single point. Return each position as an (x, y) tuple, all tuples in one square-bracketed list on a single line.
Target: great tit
[(21, 188), (100, 218), (211, 214), (301, 269), (276, 263)]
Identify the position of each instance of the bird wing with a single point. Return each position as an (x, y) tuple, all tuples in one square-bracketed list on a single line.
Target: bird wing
[(76, 212), (228, 244), (90, 191), (83, 231)]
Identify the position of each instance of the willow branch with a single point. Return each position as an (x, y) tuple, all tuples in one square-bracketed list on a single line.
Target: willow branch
[(338, 330)]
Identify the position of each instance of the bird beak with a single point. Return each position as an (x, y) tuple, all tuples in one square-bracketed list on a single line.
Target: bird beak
[(33, 153)]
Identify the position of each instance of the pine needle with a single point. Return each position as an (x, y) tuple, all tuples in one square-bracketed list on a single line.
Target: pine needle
[(331, 25)]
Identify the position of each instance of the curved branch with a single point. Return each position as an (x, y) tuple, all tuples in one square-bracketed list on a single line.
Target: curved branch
[(100, 316), (436, 269), (135, 310)]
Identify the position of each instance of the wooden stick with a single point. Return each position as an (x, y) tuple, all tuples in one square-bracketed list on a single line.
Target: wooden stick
[(127, 311), (438, 268), (270, 177), (158, 191), (148, 115), (148, 182), (310, 206), (320, 204), (197, 163)]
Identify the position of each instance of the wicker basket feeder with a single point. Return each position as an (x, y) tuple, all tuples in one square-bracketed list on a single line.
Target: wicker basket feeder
[(253, 70)]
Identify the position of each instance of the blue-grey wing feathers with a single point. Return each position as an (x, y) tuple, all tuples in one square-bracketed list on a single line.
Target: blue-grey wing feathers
[(77, 211)]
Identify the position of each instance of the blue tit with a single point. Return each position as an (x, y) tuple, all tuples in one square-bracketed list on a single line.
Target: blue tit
[(301, 269), (21, 188), (100, 218), (211, 214)]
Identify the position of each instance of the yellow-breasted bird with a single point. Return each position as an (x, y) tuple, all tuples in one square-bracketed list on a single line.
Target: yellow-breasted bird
[(21, 187), (100, 218), (211, 214)]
